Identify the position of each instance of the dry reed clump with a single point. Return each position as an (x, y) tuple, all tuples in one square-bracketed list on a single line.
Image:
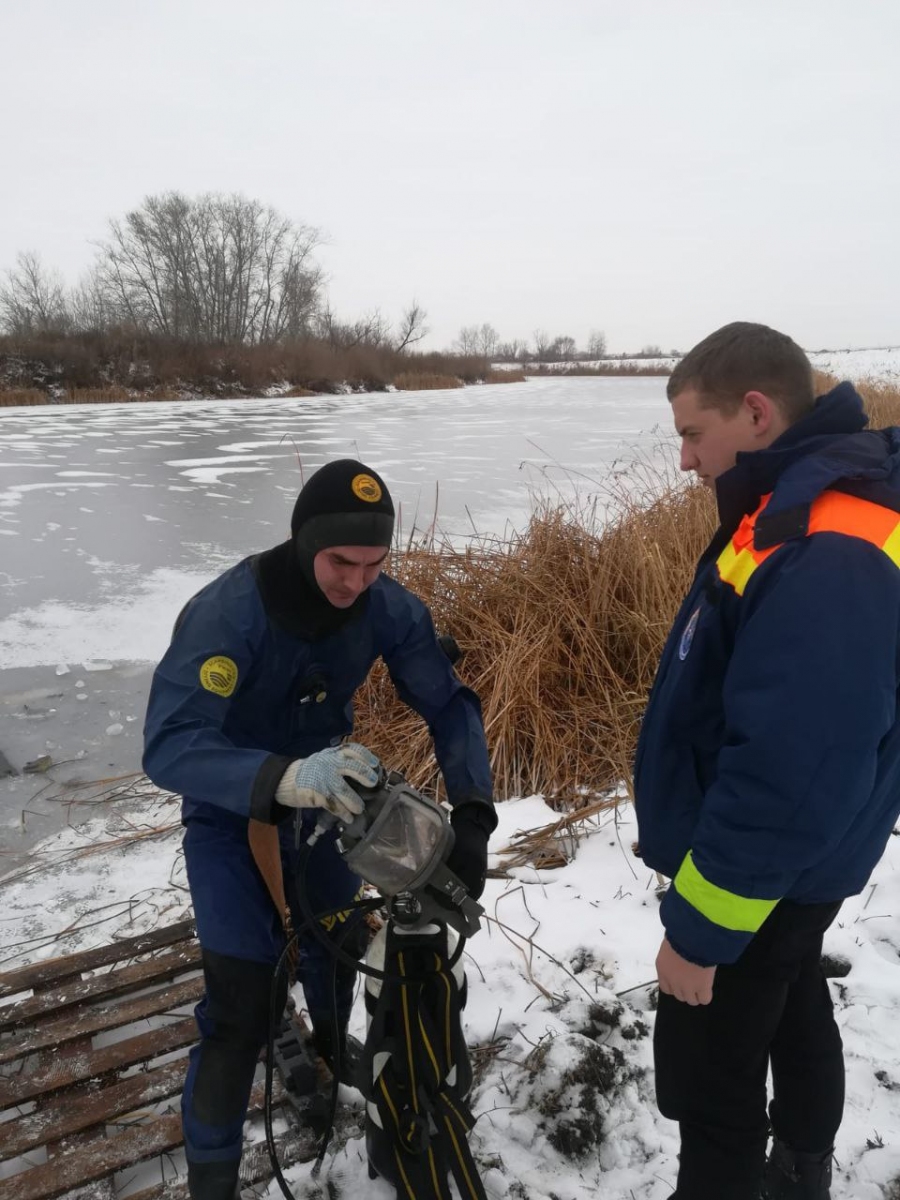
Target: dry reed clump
[(412, 381), (882, 403), (104, 395), (22, 396), (561, 629), (142, 363), (505, 377), (610, 368)]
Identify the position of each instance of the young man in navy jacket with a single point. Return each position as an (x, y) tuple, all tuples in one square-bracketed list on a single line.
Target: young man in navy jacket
[(247, 717), (767, 778)]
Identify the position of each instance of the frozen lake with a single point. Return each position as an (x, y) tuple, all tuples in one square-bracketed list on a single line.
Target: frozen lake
[(111, 516)]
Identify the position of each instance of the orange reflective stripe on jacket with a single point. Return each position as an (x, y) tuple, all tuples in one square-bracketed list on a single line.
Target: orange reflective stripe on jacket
[(832, 512)]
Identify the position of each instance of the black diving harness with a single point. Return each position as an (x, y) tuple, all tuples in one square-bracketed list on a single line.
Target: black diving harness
[(414, 1070)]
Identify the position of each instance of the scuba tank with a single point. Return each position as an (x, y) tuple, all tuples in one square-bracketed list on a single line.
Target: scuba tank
[(415, 1069)]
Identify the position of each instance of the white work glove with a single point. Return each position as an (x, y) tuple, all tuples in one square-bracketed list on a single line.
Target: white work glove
[(320, 781)]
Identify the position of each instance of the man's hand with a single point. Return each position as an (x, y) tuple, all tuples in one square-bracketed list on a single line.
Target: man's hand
[(320, 781), (682, 979)]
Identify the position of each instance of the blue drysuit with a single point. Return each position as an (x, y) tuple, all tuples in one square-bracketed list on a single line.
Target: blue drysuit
[(236, 698)]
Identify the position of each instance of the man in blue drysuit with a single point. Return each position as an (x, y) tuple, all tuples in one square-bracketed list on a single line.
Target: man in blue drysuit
[(246, 720)]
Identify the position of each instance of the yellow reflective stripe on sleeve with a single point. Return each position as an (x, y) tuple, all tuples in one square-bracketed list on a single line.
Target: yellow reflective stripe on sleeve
[(892, 546), (740, 913), (736, 567)]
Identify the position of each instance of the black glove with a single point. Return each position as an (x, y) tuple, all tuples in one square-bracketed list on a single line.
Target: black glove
[(472, 822)]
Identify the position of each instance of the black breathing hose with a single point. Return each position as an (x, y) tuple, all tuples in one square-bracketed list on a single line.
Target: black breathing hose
[(311, 921)]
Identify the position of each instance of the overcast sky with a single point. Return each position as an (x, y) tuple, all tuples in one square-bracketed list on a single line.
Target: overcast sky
[(650, 169)]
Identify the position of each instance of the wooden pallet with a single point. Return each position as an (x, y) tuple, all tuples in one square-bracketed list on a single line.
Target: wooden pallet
[(88, 1104)]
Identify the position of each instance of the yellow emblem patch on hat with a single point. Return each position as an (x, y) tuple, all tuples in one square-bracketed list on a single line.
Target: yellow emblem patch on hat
[(366, 488), (219, 675)]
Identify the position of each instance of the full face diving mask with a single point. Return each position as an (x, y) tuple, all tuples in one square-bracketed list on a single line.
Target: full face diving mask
[(400, 844)]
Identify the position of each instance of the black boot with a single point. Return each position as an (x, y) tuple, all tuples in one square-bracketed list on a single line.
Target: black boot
[(796, 1175), (214, 1180), (349, 1050)]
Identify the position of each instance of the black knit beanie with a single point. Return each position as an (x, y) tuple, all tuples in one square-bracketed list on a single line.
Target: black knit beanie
[(345, 503)]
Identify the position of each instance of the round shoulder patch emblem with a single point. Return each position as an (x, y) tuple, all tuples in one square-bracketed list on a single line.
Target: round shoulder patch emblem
[(366, 488), (219, 675), (687, 637)]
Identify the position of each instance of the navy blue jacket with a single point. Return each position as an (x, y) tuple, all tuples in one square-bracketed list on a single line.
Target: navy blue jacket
[(768, 764), (236, 698)]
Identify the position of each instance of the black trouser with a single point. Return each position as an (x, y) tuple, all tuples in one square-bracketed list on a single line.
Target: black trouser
[(773, 1007), (242, 938)]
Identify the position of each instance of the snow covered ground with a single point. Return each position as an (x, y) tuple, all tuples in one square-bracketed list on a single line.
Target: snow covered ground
[(559, 986), (880, 364), (96, 564)]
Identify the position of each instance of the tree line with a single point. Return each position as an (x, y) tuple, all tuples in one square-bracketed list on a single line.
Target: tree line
[(213, 269), (224, 270), (484, 340)]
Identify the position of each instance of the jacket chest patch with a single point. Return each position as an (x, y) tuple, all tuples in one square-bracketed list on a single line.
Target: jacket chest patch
[(687, 638)]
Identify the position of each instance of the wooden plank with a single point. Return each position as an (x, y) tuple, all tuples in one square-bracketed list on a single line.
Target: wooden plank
[(72, 1111), (86, 1164), (89, 1163), (97, 1020), (58, 1148), (297, 1145), (49, 1074), (113, 983), (53, 970)]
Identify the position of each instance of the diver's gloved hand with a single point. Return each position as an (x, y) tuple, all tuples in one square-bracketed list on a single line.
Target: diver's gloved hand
[(320, 781), (473, 822)]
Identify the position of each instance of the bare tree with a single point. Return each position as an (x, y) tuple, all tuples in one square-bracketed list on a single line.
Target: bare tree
[(488, 340), (540, 340), (33, 298), (596, 346), (212, 269), (412, 326), (467, 340), (562, 348), (371, 330), (90, 304), (511, 351)]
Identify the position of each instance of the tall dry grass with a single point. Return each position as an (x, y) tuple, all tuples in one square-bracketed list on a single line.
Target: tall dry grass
[(22, 396), (418, 381), (562, 628), (59, 365), (505, 376), (882, 402)]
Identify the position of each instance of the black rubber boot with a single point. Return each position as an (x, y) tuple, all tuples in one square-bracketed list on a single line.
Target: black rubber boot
[(349, 1051), (796, 1175), (214, 1180)]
